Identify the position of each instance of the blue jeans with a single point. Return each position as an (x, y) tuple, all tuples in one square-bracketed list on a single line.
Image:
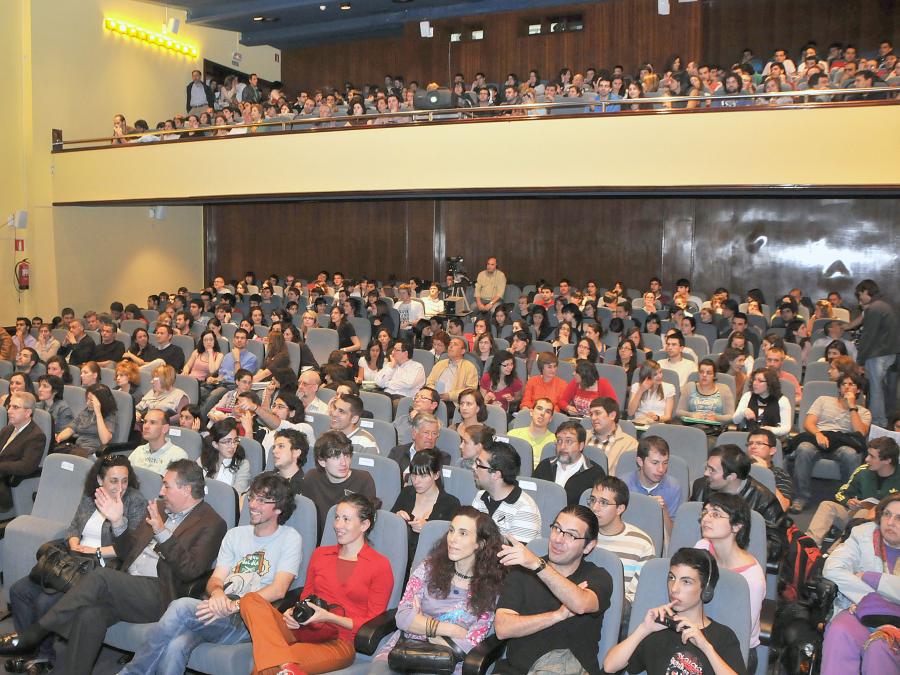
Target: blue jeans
[(876, 372), (28, 604), (805, 457), (172, 639)]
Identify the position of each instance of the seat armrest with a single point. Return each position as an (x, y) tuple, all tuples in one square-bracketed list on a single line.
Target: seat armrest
[(766, 621), (372, 632), (482, 655)]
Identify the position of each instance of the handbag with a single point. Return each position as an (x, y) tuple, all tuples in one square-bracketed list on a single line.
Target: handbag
[(58, 568), (411, 655)]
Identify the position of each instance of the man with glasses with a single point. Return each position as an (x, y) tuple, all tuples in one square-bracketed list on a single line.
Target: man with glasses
[(262, 557), (762, 446), (500, 496), (159, 451), (332, 479), (21, 444), (307, 386), (551, 608), (634, 547), (426, 400), (401, 376), (569, 468)]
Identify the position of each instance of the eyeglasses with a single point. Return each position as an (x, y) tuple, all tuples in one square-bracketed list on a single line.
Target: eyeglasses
[(479, 465), (259, 499), (340, 453), (229, 441), (715, 515), (761, 443), (565, 534), (591, 501)]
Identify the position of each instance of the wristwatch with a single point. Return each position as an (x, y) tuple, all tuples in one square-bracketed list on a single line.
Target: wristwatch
[(854, 409), (541, 567)]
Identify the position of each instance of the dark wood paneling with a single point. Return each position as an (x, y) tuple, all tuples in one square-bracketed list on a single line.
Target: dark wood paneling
[(624, 32), (765, 25), (737, 242)]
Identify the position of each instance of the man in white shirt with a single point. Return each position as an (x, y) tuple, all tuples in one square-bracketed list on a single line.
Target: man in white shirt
[(346, 410), (432, 302), (676, 361), (307, 387), (401, 376), (158, 452)]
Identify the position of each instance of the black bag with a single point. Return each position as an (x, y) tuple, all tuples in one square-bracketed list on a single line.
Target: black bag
[(58, 568), (836, 439), (410, 655)]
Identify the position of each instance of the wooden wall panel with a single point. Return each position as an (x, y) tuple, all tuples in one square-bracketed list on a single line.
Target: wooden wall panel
[(618, 31), (740, 243)]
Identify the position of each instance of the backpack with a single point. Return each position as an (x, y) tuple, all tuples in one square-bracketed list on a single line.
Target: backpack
[(803, 562)]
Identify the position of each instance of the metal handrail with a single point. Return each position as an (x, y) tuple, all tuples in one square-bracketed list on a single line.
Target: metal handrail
[(472, 112)]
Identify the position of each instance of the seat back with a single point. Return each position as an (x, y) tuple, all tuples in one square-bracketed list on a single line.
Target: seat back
[(190, 386), (816, 371), (384, 471), (188, 440), (74, 396), (685, 442), (124, 415), (321, 342), (319, 422), (223, 499), (698, 343), (449, 441), (644, 512), (460, 483), (686, 531), (678, 470), (255, 455), (151, 483), (730, 605), (612, 618), (384, 432), (377, 404), (523, 449), (549, 497), (426, 358), (618, 379), (432, 532), (388, 537), (763, 475), (185, 343), (61, 486), (363, 329)]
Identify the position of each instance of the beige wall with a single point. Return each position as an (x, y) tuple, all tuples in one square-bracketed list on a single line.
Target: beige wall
[(68, 72)]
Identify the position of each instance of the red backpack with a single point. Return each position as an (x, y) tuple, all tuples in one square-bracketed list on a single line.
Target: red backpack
[(802, 562)]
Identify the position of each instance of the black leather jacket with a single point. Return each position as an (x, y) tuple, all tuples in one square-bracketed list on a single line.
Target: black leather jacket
[(760, 499)]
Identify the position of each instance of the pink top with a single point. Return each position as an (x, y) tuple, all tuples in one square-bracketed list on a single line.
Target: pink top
[(581, 398), (513, 389), (200, 369)]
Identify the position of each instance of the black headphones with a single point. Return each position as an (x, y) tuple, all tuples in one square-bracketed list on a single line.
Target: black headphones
[(709, 588)]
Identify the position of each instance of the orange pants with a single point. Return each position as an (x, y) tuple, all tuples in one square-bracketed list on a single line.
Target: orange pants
[(274, 643)]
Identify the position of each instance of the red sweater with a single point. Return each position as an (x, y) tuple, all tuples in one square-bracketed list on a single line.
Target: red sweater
[(363, 597), (581, 398)]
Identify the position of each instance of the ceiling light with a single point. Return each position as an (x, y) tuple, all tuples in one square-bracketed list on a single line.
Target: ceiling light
[(345, 6), (322, 7), (259, 18)]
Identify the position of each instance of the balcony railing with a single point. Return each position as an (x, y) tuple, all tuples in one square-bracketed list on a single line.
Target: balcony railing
[(806, 98)]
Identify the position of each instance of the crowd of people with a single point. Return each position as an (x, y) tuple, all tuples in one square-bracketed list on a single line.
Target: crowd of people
[(211, 108), (540, 359)]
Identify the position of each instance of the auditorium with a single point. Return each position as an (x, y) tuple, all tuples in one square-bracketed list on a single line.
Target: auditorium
[(431, 336)]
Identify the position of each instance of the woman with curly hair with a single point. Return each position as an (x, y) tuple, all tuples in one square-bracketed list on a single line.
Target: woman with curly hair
[(500, 384), (453, 592)]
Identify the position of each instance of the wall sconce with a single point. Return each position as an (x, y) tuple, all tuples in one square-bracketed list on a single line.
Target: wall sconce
[(149, 36)]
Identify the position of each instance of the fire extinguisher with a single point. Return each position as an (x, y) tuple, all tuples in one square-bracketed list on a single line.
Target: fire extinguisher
[(23, 274)]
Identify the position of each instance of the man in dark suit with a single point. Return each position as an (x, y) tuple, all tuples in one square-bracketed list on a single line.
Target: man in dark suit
[(162, 559), (569, 467), (425, 431), (21, 445)]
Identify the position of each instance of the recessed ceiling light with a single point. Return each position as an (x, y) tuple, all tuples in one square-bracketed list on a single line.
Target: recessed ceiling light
[(345, 6), (259, 18), (322, 7)]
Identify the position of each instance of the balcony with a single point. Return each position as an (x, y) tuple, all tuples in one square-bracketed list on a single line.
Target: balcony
[(811, 148)]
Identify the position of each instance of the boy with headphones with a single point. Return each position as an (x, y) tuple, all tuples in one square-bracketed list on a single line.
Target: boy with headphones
[(678, 637)]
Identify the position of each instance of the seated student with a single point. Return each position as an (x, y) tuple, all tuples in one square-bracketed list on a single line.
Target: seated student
[(652, 478), (763, 405), (332, 478), (546, 385), (500, 496), (262, 557), (223, 458), (158, 451), (551, 608), (585, 386), (345, 410), (286, 412), (94, 426), (570, 469), (856, 499), (675, 360), (762, 446), (163, 394), (50, 398), (698, 645), (609, 501), (537, 433), (728, 470), (705, 399), (835, 426), (453, 593), (352, 577), (606, 433), (865, 570), (651, 400), (471, 442), (289, 455), (424, 498), (725, 526)]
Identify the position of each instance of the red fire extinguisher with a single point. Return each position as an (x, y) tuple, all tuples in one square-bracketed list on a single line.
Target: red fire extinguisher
[(23, 274)]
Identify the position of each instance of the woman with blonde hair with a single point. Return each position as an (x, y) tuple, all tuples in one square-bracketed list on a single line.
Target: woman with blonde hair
[(163, 394)]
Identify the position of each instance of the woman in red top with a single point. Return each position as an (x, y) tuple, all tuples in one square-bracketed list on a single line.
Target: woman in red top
[(353, 578), (584, 388)]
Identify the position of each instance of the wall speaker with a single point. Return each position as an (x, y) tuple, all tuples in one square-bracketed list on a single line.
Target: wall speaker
[(173, 26), (425, 29), (158, 212), (662, 7), (21, 220)]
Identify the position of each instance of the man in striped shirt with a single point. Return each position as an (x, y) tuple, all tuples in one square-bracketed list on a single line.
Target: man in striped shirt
[(500, 496), (633, 546)]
